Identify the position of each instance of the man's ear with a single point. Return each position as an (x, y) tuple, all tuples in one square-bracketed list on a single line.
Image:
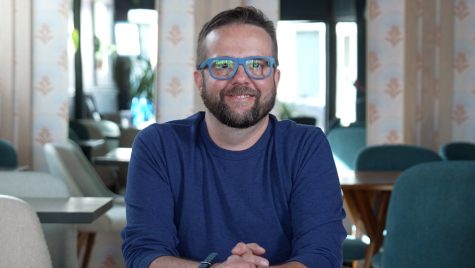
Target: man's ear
[(276, 77), (198, 80)]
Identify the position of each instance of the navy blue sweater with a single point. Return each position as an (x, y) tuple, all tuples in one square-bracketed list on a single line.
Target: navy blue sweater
[(187, 197)]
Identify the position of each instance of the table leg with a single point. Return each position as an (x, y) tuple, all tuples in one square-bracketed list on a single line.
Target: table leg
[(381, 220), (371, 212)]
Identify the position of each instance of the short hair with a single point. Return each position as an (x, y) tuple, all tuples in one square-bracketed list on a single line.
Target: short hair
[(238, 15)]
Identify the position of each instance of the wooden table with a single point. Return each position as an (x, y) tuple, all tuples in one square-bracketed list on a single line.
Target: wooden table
[(116, 156), (69, 209), (366, 195)]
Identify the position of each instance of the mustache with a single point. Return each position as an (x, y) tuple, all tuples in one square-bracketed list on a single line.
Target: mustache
[(241, 90)]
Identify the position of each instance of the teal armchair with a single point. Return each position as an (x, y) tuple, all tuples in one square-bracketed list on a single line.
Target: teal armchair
[(431, 217), (8, 155), (345, 143), (457, 151), (393, 157)]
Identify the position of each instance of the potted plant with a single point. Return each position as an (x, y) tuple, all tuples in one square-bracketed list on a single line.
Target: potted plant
[(135, 78)]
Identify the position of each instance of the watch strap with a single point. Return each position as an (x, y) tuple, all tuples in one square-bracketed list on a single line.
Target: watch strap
[(206, 263)]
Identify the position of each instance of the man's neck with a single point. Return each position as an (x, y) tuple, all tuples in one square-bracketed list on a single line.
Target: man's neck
[(234, 139)]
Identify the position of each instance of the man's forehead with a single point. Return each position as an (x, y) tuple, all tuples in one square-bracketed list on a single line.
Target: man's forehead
[(215, 34), (212, 36), (238, 40)]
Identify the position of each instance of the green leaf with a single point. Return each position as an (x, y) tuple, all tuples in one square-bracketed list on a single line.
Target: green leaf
[(75, 37)]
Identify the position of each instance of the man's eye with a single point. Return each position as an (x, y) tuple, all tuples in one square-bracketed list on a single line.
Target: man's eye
[(256, 64), (223, 64)]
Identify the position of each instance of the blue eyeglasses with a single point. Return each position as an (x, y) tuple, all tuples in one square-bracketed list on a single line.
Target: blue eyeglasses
[(224, 68)]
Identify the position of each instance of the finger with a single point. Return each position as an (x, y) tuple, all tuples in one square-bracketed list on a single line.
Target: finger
[(233, 258), (256, 249), (235, 261), (240, 249), (256, 260)]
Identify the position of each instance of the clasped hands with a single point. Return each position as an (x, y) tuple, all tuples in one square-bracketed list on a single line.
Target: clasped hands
[(245, 256)]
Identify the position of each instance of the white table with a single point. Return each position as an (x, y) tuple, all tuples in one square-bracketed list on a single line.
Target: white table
[(69, 209), (116, 156)]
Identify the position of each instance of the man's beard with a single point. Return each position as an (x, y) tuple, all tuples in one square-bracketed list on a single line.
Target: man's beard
[(224, 113)]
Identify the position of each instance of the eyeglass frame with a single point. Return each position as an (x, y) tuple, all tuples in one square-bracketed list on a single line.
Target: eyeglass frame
[(240, 61)]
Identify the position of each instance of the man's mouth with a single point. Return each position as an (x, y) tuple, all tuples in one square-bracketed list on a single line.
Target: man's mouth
[(242, 96), (241, 92)]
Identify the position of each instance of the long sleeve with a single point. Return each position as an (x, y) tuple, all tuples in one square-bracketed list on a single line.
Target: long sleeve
[(316, 205), (150, 231)]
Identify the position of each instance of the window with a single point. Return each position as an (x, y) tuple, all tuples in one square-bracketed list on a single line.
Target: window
[(346, 74), (302, 61)]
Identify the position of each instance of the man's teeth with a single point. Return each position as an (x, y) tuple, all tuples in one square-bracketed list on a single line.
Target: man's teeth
[(242, 96)]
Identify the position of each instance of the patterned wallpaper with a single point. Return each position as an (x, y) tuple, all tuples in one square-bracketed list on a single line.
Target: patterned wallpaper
[(463, 105), (50, 75), (402, 39), (385, 71), (175, 59)]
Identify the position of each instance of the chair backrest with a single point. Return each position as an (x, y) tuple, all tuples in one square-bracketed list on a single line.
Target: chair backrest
[(105, 129), (8, 155), (68, 162), (457, 151), (61, 238), (431, 217), (346, 142), (395, 157), (23, 243)]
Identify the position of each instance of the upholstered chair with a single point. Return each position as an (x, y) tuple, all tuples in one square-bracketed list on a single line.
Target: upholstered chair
[(457, 150), (8, 155), (23, 243), (68, 162), (60, 238), (431, 217)]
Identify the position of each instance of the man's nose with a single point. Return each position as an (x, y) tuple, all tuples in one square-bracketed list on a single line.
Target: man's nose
[(241, 75)]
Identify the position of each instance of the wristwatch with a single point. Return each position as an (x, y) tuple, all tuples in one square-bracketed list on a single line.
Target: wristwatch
[(206, 263)]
